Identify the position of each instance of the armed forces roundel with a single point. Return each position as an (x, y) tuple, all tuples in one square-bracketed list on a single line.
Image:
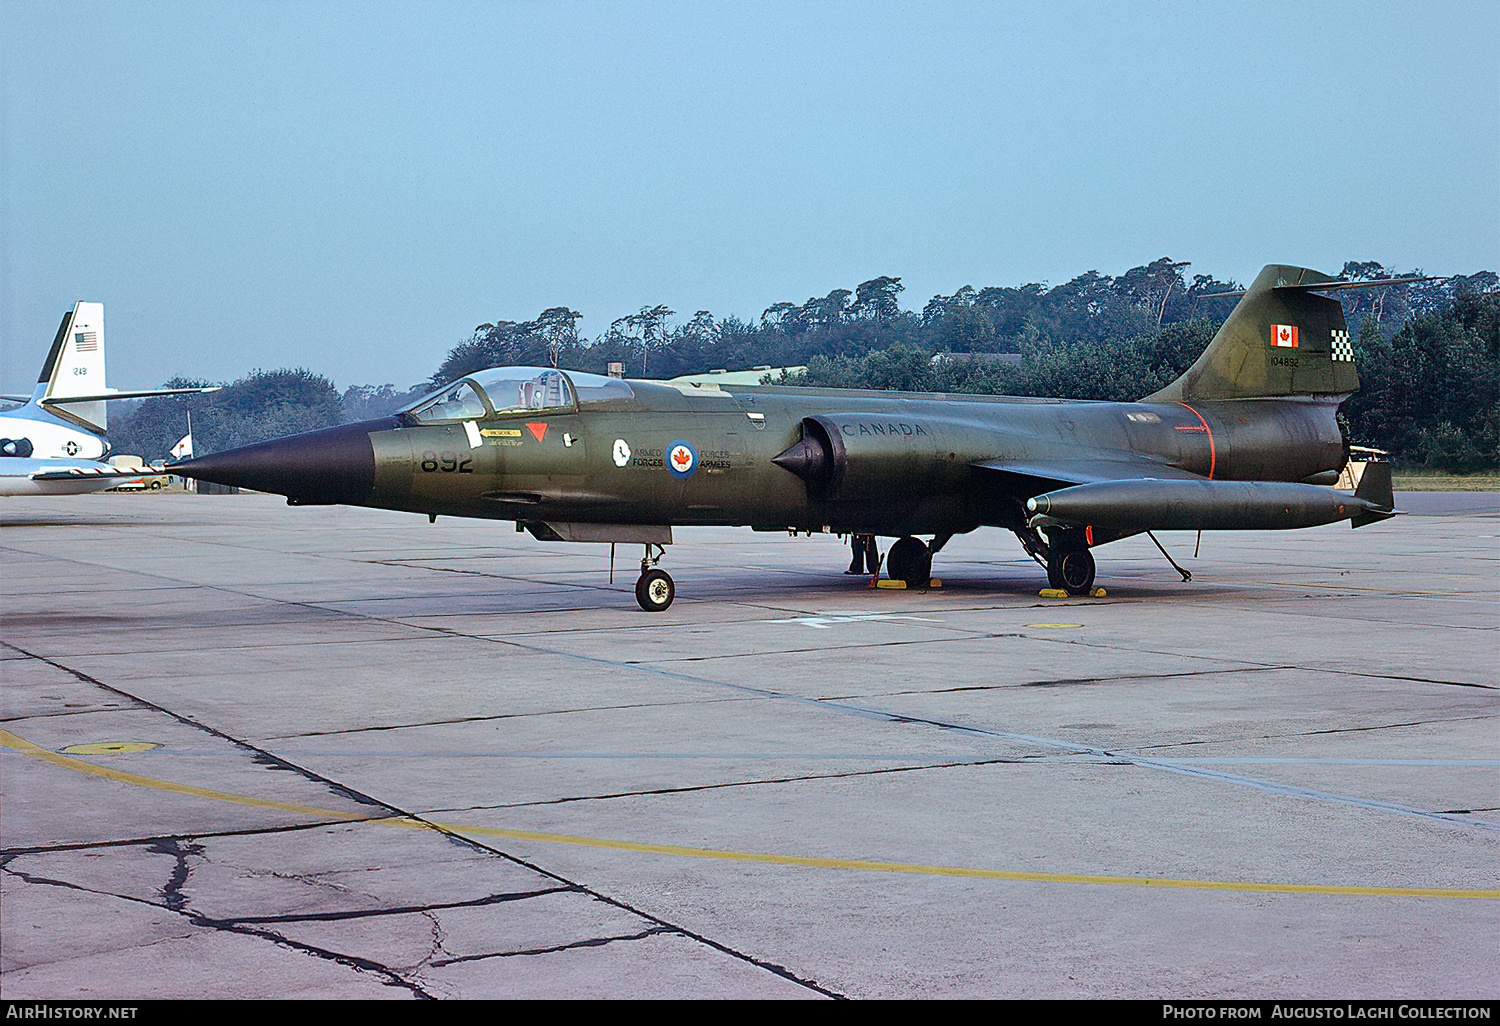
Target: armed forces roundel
[(682, 459)]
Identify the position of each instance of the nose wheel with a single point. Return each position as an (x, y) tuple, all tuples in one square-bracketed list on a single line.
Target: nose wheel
[(911, 561), (654, 590)]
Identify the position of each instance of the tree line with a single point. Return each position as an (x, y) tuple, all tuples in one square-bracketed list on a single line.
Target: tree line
[(1428, 355)]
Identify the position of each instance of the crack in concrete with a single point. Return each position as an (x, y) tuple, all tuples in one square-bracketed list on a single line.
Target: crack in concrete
[(400, 910), (1389, 726), (171, 891), (135, 842), (176, 903), (47, 881), (439, 942), (452, 836), (390, 977), (689, 788), (771, 967), (493, 717), (1312, 733), (50, 715), (592, 942), (759, 653), (1130, 677)]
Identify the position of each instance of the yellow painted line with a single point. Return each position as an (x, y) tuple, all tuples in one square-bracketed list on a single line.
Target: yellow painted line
[(963, 871), (9, 740)]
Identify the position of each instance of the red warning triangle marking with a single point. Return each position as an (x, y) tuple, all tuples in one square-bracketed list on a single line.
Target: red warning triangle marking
[(538, 431)]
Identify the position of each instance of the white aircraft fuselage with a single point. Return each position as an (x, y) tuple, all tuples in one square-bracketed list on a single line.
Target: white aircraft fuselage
[(54, 442)]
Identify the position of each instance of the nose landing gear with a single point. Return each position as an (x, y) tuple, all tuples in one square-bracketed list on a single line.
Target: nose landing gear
[(654, 590), (910, 559)]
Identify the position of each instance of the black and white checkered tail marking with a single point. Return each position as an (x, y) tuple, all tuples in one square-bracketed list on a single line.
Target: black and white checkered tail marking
[(1343, 349)]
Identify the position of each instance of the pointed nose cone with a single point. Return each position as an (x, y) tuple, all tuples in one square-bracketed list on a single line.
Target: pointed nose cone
[(808, 459), (333, 465)]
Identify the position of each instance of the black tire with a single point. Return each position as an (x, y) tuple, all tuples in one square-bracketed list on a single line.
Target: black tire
[(1071, 570), (654, 591), (909, 560)]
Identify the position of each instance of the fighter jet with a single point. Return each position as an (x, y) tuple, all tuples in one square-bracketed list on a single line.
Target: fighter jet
[(54, 443), (1245, 439)]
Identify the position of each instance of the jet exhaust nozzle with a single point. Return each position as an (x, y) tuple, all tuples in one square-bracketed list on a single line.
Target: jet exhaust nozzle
[(333, 465)]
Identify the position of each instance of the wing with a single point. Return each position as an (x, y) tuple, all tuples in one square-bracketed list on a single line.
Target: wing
[(76, 473), (1044, 475)]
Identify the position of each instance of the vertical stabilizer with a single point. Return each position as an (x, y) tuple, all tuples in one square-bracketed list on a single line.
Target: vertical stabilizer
[(75, 366), (1280, 340)]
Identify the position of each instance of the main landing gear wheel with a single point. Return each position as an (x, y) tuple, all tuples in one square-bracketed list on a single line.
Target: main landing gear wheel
[(655, 590), (911, 561), (1070, 566)]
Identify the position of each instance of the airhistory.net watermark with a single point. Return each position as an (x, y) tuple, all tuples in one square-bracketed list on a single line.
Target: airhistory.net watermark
[(55, 1010)]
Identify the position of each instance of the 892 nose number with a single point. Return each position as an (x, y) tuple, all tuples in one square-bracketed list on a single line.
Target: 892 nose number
[(446, 462)]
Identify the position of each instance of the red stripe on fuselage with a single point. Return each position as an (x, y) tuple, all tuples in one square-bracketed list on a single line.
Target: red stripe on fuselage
[(1212, 459)]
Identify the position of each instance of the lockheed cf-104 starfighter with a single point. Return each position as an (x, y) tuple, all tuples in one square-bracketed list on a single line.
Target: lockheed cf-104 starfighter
[(1246, 439)]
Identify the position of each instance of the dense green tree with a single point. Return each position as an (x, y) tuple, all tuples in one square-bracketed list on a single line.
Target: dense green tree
[(1426, 351), (1430, 393), (558, 328), (550, 340), (150, 427), (261, 405), (876, 299), (366, 402)]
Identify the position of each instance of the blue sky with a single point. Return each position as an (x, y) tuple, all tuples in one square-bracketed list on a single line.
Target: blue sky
[(352, 187)]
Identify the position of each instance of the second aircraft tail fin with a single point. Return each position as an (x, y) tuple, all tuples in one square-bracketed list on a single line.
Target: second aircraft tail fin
[(75, 367)]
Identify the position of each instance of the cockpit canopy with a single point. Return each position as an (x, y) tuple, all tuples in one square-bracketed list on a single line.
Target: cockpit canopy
[(509, 390)]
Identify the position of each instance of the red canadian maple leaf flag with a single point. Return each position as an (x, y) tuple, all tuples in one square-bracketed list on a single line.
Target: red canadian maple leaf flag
[(1284, 336)]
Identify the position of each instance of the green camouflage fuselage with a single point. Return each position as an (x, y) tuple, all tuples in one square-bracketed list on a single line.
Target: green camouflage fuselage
[(904, 464)]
